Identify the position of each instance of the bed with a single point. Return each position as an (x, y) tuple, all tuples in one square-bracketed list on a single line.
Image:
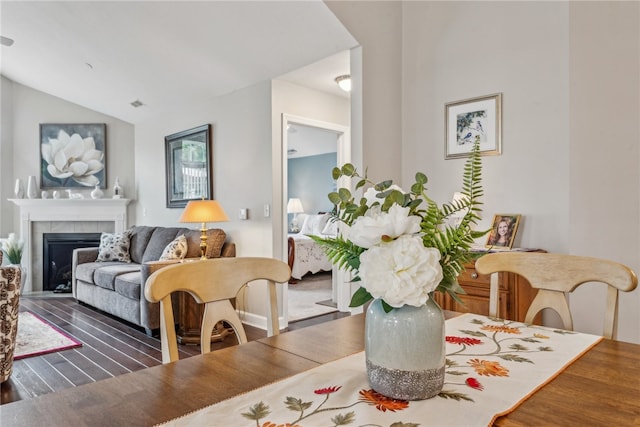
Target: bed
[(304, 254)]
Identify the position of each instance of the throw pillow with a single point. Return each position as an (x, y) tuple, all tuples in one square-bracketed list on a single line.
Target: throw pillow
[(177, 249), (314, 224), (215, 241), (114, 247), (331, 228)]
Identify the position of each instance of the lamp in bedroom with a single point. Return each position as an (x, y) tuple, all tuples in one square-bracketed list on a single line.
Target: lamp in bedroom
[(294, 206), (203, 211)]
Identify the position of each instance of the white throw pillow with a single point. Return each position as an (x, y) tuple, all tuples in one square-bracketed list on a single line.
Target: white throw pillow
[(331, 228), (177, 249), (314, 224)]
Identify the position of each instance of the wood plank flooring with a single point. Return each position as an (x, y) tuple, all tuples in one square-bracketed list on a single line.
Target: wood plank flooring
[(110, 348)]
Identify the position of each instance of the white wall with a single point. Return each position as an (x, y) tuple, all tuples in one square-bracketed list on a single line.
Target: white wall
[(604, 181), (241, 148), (23, 109), (569, 76)]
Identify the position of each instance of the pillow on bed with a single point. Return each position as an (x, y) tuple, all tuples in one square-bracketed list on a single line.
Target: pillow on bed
[(331, 228), (314, 224)]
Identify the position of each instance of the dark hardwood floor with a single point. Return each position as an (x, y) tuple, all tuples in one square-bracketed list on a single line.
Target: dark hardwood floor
[(109, 348)]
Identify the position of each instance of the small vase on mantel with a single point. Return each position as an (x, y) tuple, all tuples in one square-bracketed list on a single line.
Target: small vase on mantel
[(32, 187), (19, 189), (405, 350), (97, 193)]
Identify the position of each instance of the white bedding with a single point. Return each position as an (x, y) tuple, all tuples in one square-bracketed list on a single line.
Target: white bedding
[(309, 257)]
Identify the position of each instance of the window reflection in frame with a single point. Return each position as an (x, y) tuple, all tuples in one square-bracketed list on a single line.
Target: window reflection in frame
[(188, 156)]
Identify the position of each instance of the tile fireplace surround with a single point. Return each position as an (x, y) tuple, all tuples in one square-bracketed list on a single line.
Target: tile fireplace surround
[(39, 216)]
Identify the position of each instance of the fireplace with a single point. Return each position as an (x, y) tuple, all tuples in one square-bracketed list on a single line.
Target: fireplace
[(56, 261)]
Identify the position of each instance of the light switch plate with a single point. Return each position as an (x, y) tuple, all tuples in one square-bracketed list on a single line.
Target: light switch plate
[(243, 213)]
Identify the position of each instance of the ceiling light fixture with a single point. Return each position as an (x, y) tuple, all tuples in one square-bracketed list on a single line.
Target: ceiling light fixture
[(344, 82), (137, 103)]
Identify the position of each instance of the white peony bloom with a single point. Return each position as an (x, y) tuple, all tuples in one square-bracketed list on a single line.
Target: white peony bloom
[(367, 230), (401, 272), (73, 157)]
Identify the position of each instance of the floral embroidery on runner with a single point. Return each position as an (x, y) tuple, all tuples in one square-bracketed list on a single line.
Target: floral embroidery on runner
[(488, 371)]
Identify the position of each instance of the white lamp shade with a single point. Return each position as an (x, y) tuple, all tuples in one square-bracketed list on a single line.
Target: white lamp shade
[(294, 206)]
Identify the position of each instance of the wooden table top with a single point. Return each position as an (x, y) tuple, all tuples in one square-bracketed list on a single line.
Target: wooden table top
[(600, 388)]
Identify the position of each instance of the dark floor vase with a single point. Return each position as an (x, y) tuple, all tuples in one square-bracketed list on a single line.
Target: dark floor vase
[(405, 350)]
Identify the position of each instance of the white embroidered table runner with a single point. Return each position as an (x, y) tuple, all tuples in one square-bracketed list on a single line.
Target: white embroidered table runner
[(492, 366)]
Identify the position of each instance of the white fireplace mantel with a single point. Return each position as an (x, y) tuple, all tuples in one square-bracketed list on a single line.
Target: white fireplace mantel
[(65, 210)]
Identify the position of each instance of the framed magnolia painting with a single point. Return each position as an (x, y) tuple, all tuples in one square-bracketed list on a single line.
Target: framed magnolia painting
[(473, 119), (73, 155), (503, 231)]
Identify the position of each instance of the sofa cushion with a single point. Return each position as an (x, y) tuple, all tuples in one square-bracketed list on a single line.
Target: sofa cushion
[(105, 277), (176, 249), (160, 238), (86, 270), (215, 241), (140, 236), (114, 247), (128, 285)]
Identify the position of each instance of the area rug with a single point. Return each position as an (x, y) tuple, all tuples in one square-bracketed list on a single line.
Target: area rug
[(36, 336), (304, 297)]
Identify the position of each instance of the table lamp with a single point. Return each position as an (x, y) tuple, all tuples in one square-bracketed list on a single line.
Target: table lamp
[(203, 211), (294, 206)]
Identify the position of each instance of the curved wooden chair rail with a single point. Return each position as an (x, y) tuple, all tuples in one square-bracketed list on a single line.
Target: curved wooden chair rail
[(554, 275), (212, 282)]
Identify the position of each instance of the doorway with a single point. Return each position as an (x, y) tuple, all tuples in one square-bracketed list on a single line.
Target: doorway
[(326, 142)]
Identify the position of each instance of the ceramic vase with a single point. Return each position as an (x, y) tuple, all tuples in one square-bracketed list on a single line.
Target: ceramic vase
[(97, 193), (405, 350), (19, 189), (32, 187)]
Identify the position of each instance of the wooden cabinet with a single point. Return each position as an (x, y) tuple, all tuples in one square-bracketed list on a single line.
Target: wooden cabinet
[(515, 295)]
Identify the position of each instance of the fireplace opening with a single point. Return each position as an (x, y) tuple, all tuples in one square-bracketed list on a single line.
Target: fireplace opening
[(57, 250)]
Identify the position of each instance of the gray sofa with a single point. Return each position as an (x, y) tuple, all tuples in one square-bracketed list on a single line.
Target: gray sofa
[(118, 287)]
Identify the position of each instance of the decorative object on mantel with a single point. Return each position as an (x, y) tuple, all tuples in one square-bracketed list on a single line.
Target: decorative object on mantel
[(56, 194), (402, 249), (117, 190), (32, 187), (72, 195), (203, 211), (72, 155), (19, 189), (44, 194), (97, 192)]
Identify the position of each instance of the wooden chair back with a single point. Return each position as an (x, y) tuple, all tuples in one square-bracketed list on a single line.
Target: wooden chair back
[(555, 275), (212, 282)]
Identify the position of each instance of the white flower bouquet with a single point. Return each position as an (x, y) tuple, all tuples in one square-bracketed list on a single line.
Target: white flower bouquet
[(12, 248), (400, 245)]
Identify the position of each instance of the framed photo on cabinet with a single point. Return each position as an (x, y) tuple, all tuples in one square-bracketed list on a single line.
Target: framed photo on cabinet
[(503, 231)]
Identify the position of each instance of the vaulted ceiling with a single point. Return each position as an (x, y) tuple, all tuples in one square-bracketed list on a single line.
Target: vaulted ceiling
[(168, 54)]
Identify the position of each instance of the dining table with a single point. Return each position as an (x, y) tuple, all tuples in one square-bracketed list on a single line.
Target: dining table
[(601, 387)]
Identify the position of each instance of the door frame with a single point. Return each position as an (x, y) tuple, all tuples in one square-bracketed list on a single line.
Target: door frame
[(341, 294)]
